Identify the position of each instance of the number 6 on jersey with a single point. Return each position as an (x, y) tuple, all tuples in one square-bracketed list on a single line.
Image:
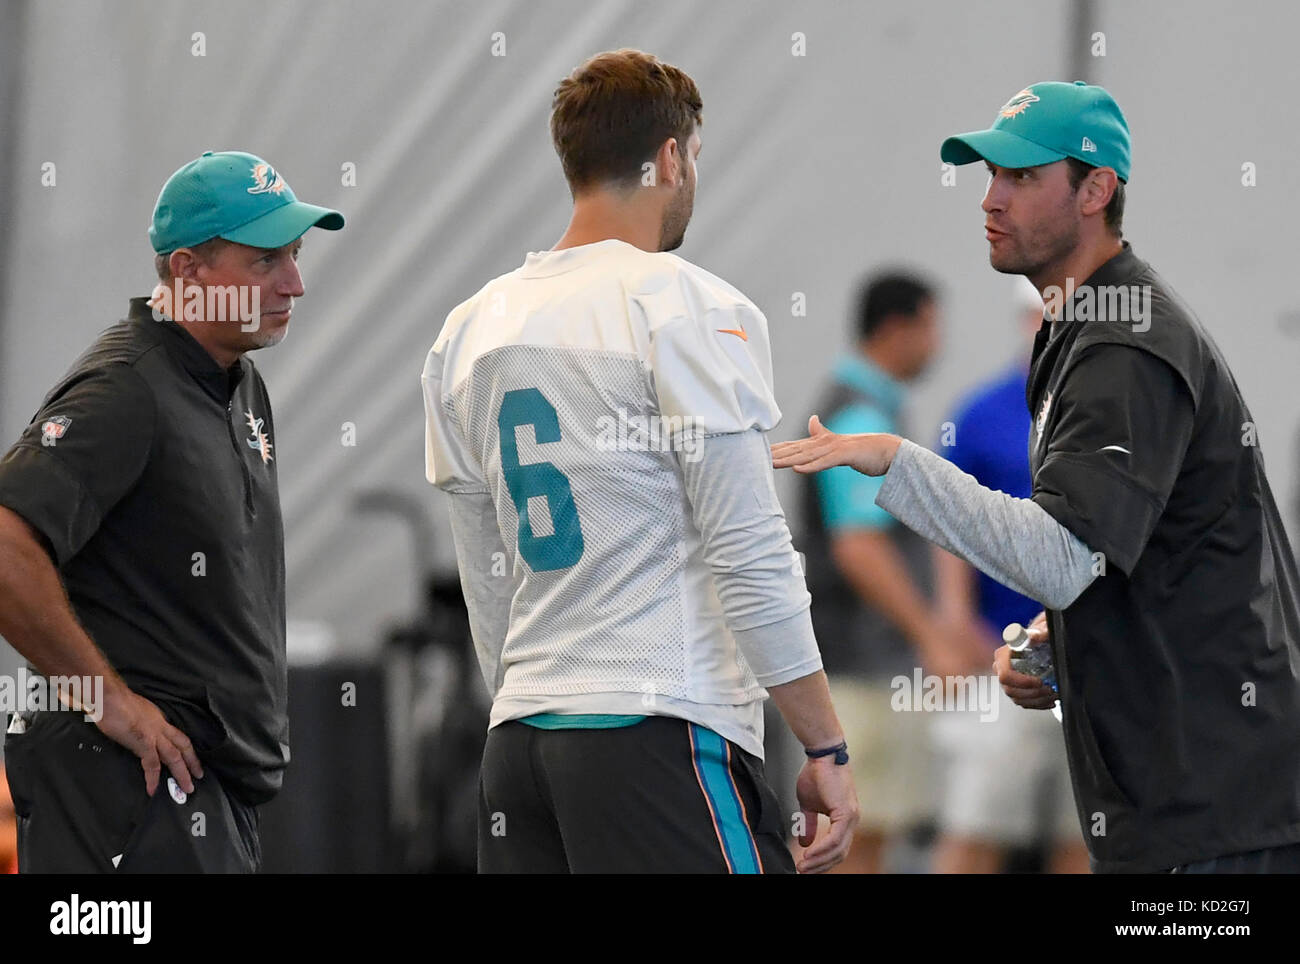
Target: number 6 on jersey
[(563, 547)]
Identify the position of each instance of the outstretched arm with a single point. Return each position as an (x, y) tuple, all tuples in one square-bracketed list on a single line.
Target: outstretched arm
[(1015, 541)]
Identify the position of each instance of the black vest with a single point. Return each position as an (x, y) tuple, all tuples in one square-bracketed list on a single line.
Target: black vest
[(1180, 682)]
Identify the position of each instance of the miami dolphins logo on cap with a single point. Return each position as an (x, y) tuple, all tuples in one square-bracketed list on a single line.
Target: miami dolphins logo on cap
[(1018, 104), (266, 180)]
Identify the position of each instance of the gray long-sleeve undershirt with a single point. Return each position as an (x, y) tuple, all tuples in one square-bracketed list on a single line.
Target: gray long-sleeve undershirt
[(757, 575), (1015, 541)]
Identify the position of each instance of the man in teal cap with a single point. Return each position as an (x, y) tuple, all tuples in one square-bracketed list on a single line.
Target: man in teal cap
[(1172, 601), (1063, 153), (142, 551)]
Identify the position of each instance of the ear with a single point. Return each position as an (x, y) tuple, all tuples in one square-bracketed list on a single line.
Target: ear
[(183, 263), (1097, 190), (670, 162)]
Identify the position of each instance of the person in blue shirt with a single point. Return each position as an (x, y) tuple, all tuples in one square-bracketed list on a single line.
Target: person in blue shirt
[(985, 805)]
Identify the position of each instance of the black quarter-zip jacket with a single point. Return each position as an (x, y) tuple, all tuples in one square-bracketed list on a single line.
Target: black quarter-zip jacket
[(151, 473)]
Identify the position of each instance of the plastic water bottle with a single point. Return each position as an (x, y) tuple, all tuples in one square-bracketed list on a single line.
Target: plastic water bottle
[(1032, 659)]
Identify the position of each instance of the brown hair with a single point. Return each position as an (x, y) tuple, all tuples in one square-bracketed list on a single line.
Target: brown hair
[(1114, 214), (613, 113)]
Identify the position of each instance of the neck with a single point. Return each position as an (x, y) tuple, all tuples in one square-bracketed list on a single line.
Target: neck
[(879, 354), (202, 332), (603, 215), (1078, 266)]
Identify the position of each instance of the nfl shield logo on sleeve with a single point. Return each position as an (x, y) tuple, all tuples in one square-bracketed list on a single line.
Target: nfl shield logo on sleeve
[(52, 429)]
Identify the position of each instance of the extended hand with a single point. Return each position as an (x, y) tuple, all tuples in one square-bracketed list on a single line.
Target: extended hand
[(870, 453)]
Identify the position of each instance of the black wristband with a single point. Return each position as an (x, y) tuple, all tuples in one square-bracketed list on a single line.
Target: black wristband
[(841, 752)]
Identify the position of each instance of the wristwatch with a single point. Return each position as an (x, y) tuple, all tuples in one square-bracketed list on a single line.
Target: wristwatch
[(841, 751)]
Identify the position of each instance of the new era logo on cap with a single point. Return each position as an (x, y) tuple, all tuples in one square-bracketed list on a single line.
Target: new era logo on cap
[(1088, 145)]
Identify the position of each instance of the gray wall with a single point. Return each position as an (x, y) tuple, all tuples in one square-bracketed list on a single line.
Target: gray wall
[(815, 169)]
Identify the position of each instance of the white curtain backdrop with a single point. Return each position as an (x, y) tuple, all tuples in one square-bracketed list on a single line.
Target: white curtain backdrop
[(816, 168)]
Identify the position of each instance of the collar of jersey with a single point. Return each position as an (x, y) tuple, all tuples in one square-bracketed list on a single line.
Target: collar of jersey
[(547, 264)]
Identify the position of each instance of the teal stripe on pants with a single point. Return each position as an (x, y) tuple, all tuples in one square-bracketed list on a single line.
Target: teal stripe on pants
[(710, 751)]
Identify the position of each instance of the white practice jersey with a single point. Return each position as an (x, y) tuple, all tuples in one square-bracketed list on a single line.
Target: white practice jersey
[(561, 397)]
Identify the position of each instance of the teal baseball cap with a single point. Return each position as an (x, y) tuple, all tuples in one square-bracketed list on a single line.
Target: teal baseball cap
[(235, 196), (1049, 122)]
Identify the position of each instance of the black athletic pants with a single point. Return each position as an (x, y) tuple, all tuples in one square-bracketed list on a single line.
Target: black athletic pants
[(660, 796), (82, 808)]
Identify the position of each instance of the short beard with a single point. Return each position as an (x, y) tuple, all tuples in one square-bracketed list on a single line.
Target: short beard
[(1043, 250), (265, 339), (676, 217)]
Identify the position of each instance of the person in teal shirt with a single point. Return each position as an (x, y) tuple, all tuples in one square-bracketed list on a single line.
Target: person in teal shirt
[(870, 577)]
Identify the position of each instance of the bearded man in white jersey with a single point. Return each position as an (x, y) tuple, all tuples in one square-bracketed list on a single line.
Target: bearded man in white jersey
[(598, 419)]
